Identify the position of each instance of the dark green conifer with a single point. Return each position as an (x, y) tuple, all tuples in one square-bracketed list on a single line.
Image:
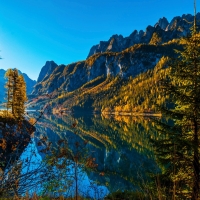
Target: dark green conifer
[(178, 150)]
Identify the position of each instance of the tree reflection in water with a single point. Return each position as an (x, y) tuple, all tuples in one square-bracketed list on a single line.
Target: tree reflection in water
[(119, 145)]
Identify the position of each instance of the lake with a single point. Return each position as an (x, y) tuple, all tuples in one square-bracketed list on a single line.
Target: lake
[(118, 146)]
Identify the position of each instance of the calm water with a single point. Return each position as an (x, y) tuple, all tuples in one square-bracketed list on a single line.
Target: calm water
[(119, 146)]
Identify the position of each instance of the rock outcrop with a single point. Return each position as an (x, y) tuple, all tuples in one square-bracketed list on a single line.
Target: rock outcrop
[(163, 23), (14, 137)]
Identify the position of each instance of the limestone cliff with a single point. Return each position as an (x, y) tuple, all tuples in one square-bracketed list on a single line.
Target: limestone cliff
[(87, 83), (178, 27)]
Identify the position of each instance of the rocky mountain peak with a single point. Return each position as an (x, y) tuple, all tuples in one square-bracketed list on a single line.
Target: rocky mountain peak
[(163, 23), (46, 70), (117, 37), (178, 27)]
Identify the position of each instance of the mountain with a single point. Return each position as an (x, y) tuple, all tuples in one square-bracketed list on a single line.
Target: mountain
[(115, 70), (163, 30), (130, 62), (29, 83), (46, 71)]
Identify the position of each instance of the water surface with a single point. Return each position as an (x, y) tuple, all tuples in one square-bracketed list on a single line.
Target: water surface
[(119, 146)]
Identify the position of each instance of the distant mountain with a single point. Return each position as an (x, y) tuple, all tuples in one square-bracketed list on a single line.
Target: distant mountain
[(29, 83), (131, 62), (114, 68), (162, 32)]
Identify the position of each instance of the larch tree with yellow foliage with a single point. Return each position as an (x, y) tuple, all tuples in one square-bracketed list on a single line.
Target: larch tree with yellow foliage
[(16, 93)]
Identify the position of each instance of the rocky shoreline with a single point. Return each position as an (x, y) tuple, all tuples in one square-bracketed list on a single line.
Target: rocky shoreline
[(14, 137)]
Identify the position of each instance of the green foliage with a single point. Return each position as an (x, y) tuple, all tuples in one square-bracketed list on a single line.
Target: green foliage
[(178, 151), (45, 198)]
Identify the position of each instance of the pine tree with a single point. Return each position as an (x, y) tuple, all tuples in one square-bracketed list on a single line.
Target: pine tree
[(178, 151)]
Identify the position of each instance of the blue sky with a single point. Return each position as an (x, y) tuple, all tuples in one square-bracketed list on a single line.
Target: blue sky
[(34, 31)]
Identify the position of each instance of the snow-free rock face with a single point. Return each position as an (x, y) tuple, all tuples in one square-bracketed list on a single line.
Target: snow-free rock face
[(131, 62), (45, 74), (177, 28), (47, 69), (163, 23), (70, 77)]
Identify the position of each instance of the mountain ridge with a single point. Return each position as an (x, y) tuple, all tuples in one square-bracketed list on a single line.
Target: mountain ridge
[(73, 85), (178, 27)]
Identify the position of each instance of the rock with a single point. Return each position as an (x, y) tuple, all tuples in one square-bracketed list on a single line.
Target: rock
[(14, 137), (163, 23), (46, 70), (177, 28)]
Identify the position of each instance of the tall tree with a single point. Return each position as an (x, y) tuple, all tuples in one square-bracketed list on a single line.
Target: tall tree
[(16, 93), (9, 88), (178, 151), (20, 97), (15, 75)]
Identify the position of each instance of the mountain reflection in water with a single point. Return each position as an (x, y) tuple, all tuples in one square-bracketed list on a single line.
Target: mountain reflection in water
[(119, 144)]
